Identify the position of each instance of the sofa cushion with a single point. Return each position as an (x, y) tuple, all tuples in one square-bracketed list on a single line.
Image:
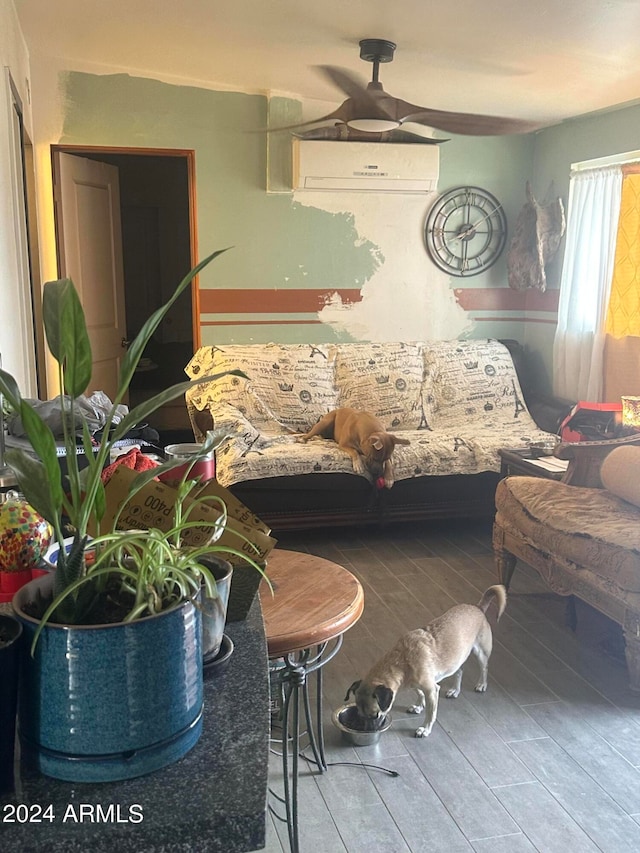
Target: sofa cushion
[(620, 473), (384, 379), (463, 451), (250, 455), (591, 528), (289, 386), (473, 382)]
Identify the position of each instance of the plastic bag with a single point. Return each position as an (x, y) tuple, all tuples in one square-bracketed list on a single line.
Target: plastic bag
[(93, 410)]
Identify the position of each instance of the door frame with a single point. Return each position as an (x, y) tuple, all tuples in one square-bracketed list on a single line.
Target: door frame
[(21, 189), (185, 153)]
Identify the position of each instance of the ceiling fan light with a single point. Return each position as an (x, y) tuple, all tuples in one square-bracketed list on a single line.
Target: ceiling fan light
[(373, 125)]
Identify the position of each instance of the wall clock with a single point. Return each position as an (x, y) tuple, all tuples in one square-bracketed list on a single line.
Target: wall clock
[(466, 231)]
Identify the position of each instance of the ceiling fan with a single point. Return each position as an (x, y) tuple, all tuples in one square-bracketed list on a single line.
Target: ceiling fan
[(370, 114)]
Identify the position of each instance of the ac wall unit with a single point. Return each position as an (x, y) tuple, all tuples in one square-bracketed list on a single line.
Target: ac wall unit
[(375, 167)]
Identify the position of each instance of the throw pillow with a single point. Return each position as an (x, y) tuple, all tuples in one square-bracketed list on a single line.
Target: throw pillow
[(620, 473)]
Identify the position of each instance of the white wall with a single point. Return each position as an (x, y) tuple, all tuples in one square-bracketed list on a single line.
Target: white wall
[(16, 335)]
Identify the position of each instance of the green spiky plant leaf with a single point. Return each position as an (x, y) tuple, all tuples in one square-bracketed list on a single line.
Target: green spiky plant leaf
[(80, 500)]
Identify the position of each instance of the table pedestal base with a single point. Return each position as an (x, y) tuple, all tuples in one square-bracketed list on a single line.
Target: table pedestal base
[(291, 677)]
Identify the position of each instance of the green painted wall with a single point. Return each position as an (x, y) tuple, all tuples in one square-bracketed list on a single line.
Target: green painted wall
[(279, 243), (276, 244), (587, 138), (500, 164)]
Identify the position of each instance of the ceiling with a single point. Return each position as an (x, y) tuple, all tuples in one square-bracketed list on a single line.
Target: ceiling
[(545, 60)]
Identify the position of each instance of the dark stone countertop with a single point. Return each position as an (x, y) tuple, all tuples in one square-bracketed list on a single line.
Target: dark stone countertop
[(213, 799)]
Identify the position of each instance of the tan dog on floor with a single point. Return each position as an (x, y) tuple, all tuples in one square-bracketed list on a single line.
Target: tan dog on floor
[(423, 658), (363, 437)]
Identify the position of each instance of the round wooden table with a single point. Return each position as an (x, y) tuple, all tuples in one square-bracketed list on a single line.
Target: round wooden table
[(314, 601)]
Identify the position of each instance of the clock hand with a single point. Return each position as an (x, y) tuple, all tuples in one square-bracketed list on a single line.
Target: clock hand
[(458, 236), (471, 228), (464, 263)]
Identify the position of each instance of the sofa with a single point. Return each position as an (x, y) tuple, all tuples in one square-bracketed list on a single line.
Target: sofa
[(458, 403), (582, 535)]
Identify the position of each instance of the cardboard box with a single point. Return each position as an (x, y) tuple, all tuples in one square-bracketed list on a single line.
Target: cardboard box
[(235, 508), (154, 506)]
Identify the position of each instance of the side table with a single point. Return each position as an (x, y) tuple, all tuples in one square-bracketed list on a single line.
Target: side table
[(518, 461), (314, 602)]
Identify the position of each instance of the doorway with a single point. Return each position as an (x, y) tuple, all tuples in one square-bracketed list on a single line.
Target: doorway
[(158, 248)]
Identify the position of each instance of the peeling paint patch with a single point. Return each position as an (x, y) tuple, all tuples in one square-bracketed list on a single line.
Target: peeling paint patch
[(400, 311), (334, 300), (406, 297)]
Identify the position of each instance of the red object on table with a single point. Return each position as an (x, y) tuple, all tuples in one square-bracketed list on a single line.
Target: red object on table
[(591, 421), (10, 583), (134, 459)]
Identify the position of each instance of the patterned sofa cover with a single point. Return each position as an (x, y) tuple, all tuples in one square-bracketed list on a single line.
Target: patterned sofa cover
[(457, 402)]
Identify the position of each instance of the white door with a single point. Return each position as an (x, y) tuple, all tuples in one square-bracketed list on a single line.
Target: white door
[(87, 196)]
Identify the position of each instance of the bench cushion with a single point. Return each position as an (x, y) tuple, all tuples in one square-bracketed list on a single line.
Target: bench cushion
[(250, 454), (590, 528)]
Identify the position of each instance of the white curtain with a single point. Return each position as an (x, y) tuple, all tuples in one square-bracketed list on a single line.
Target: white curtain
[(585, 285)]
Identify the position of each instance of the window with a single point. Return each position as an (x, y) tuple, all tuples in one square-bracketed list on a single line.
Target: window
[(600, 283)]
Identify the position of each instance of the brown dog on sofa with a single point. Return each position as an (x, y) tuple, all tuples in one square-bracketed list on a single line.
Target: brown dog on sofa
[(363, 437)]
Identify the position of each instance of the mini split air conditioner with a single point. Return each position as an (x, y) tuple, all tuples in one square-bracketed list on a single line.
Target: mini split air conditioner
[(375, 167)]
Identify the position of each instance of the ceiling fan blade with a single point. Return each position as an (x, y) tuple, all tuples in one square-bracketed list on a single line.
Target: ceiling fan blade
[(344, 133), (340, 114), (350, 83), (407, 134), (336, 132), (468, 124), (366, 101)]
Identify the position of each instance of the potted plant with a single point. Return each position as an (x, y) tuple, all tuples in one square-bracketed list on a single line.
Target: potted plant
[(121, 697)]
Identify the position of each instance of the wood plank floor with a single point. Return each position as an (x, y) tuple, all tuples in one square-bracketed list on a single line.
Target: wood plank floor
[(548, 759)]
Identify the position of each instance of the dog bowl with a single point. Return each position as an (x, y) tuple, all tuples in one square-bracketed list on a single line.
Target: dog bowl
[(358, 730)]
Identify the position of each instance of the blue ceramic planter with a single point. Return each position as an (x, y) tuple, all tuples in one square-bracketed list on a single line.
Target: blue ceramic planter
[(107, 702)]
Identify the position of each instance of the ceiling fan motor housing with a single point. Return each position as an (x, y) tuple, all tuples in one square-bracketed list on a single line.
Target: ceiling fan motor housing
[(377, 50)]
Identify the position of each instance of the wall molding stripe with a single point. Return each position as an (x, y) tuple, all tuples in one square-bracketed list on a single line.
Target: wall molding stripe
[(551, 321), (271, 322), (288, 300), (506, 299), (260, 322), (300, 300), (245, 318)]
